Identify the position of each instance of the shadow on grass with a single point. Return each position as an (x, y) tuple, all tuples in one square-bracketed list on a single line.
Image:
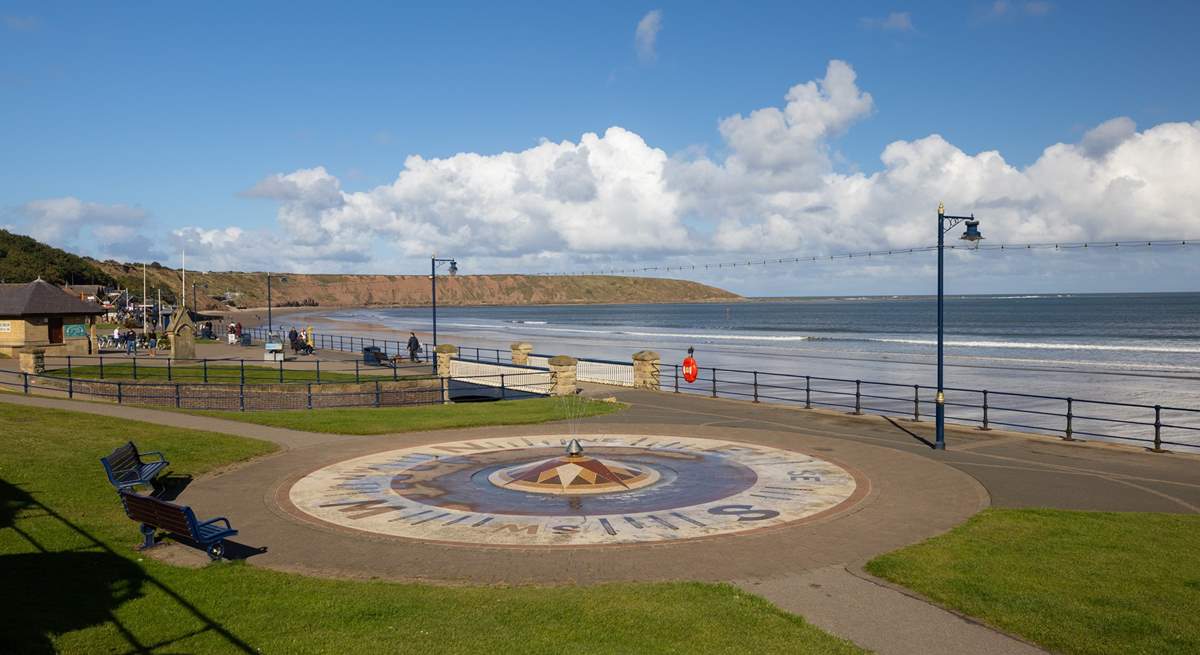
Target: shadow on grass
[(49, 592)]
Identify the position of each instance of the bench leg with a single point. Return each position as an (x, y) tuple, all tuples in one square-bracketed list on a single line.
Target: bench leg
[(147, 536), (216, 551)]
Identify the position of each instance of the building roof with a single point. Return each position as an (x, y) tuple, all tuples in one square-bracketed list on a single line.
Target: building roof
[(40, 298), (85, 289)]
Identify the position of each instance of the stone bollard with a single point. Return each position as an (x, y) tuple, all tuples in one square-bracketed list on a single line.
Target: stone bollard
[(646, 370), (444, 353), (562, 376), (33, 361), (520, 353)]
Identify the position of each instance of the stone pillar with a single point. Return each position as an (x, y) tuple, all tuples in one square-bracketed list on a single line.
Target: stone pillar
[(444, 353), (33, 361), (520, 353), (562, 376), (646, 370)]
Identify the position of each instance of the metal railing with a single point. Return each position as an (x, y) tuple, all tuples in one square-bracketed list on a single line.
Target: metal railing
[(1070, 418), (380, 392), (214, 369)]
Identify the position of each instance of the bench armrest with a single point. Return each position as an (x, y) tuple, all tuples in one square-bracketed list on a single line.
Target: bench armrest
[(222, 519), (161, 458)]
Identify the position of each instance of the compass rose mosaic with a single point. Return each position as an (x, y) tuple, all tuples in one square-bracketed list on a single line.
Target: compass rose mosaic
[(547, 491)]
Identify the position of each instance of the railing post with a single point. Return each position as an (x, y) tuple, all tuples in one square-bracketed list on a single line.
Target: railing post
[(714, 383), (135, 367), (70, 387), (395, 368), (308, 403), (119, 395), (69, 375), (502, 391), (676, 378), (858, 396), (377, 396), (1070, 417), (281, 371), (985, 425), (356, 371), (101, 367), (756, 386), (25, 381), (318, 371), (916, 403), (176, 395), (169, 376), (242, 397), (1158, 430), (205, 364), (807, 392), (242, 371)]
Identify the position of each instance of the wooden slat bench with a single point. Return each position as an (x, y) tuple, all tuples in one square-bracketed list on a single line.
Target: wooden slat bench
[(177, 520), (126, 467)]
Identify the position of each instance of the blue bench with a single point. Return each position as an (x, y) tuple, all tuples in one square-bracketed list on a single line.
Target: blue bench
[(177, 520), (126, 467)]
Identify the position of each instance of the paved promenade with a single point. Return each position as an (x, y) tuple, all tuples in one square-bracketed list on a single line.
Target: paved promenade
[(813, 568)]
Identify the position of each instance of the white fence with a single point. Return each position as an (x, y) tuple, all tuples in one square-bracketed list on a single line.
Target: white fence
[(499, 375), (614, 373)]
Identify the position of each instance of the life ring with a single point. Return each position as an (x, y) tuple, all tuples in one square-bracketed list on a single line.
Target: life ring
[(690, 369)]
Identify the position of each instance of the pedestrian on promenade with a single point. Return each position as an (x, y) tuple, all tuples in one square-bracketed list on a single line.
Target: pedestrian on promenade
[(414, 347), (130, 343), (230, 335), (152, 343)]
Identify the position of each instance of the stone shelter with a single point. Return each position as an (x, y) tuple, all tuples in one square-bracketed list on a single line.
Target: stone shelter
[(39, 315)]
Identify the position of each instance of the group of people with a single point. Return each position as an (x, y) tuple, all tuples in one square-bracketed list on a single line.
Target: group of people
[(301, 342), (129, 341), (234, 332)]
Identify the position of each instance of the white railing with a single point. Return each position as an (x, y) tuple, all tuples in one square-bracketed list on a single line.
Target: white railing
[(517, 378), (600, 372)]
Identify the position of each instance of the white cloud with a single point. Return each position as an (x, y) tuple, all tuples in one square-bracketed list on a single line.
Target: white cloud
[(612, 199), (646, 35), (106, 231), (896, 21)]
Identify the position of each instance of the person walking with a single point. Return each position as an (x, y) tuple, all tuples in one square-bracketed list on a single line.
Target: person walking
[(130, 343), (414, 347)]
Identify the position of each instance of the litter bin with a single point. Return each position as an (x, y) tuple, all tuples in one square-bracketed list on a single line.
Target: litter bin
[(372, 355)]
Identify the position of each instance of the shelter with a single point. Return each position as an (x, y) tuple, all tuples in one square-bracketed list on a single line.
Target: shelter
[(41, 315)]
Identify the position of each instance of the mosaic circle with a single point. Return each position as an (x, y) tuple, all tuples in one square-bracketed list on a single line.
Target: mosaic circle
[(547, 491)]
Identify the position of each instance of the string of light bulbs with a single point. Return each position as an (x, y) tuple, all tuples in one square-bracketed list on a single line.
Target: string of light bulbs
[(868, 254)]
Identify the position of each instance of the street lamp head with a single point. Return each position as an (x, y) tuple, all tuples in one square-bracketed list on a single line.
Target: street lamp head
[(453, 267), (972, 234)]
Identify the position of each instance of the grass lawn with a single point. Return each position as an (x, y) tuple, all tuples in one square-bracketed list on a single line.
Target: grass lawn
[(76, 585), (385, 420), (1074, 582), (255, 374)]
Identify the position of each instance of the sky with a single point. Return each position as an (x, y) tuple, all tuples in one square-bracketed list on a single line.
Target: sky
[(531, 138)]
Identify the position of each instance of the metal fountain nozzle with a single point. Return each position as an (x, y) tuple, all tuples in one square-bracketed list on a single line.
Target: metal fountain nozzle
[(574, 448)]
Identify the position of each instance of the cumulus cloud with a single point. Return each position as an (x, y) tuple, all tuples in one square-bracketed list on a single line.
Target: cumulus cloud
[(896, 21), (106, 231), (646, 35), (611, 199)]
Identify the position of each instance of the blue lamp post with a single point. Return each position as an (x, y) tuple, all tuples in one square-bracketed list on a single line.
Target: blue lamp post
[(433, 265), (945, 224)]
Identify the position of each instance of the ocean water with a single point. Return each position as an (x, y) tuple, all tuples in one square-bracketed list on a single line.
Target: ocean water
[(1128, 348)]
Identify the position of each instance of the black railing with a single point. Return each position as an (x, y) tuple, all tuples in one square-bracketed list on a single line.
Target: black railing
[(243, 396), (1158, 425)]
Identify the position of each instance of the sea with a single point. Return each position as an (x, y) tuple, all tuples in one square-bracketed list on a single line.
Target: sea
[(1138, 349)]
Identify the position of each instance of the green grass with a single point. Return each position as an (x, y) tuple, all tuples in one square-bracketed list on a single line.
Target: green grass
[(1074, 582), (386, 420), (255, 374), (89, 591)]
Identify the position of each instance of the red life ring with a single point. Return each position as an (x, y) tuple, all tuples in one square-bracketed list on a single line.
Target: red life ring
[(690, 369)]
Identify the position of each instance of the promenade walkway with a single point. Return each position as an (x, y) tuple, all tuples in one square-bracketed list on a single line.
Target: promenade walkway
[(814, 569)]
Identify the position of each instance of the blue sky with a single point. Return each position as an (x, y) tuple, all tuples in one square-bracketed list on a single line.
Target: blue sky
[(155, 119)]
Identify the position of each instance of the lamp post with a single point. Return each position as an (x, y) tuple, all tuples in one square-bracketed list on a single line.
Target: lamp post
[(196, 307), (945, 224), (270, 325), (434, 262)]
